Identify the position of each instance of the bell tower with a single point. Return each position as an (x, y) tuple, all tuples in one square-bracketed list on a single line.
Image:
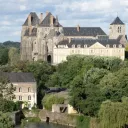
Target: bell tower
[(117, 28)]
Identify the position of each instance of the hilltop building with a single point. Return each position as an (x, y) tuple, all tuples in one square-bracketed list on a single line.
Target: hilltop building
[(46, 39)]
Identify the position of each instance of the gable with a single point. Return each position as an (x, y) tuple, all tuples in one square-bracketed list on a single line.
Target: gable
[(97, 45)]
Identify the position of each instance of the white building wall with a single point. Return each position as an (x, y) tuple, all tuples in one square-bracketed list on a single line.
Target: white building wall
[(60, 54)]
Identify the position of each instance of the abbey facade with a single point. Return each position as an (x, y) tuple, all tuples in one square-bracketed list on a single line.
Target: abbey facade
[(44, 38)]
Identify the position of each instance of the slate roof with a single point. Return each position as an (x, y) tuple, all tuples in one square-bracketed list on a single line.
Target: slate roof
[(35, 19), (84, 31), (18, 77), (46, 21), (89, 42), (117, 21)]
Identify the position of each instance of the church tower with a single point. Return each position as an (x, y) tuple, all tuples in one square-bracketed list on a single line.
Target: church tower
[(117, 28)]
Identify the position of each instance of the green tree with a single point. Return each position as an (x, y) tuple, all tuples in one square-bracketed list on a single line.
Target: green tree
[(3, 55), (114, 114), (5, 121)]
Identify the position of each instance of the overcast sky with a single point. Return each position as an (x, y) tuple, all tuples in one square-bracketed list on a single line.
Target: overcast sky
[(88, 13)]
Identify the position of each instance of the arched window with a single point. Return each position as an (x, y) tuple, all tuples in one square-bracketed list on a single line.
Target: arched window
[(29, 89), (29, 97), (20, 89)]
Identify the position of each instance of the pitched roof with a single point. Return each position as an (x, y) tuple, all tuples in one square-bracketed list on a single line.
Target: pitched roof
[(35, 19), (84, 31), (18, 77), (117, 21), (46, 21), (89, 42)]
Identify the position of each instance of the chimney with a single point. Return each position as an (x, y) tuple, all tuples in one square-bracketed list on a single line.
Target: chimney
[(29, 20), (47, 13), (78, 28), (51, 20), (30, 30), (41, 17)]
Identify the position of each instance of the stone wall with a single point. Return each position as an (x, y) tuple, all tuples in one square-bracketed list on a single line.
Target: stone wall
[(59, 118)]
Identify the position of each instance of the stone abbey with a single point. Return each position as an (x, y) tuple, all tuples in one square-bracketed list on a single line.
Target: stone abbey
[(44, 38)]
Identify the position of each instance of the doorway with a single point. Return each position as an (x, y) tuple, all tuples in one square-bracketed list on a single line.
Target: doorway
[(49, 59)]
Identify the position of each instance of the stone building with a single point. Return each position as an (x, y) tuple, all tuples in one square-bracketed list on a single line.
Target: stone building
[(25, 87), (46, 39)]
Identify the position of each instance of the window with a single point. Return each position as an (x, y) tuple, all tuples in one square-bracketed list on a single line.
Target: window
[(29, 89), (20, 89), (107, 46), (78, 46), (120, 46), (29, 97), (114, 46), (85, 46), (118, 29), (73, 46), (20, 97)]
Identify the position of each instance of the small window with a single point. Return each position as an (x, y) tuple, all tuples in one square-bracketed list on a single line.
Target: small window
[(118, 29), (29, 97), (85, 46), (114, 46), (20, 89), (120, 46), (73, 46), (78, 46), (107, 46), (20, 97), (29, 89)]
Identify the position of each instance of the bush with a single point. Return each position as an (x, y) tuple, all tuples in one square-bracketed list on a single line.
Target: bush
[(83, 121), (49, 100)]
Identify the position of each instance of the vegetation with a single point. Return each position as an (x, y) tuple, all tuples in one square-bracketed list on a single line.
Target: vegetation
[(114, 114), (49, 100), (5, 120), (83, 121), (26, 121)]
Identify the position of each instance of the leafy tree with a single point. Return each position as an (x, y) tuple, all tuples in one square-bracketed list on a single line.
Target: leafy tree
[(114, 114), (14, 55), (5, 121), (49, 100), (3, 56), (6, 89)]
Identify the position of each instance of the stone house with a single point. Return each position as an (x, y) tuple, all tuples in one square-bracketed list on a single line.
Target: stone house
[(46, 39), (25, 87)]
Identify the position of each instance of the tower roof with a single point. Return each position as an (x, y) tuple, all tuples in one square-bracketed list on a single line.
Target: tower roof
[(117, 21)]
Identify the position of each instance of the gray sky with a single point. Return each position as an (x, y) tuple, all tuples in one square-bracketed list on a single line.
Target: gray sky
[(88, 13)]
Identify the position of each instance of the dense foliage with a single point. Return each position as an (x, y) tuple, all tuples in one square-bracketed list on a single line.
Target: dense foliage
[(5, 121), (49, 100), (114, 114)]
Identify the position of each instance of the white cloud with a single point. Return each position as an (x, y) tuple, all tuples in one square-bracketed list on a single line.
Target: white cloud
[(23, 7)]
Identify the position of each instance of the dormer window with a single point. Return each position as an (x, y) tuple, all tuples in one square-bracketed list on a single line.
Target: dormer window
[(85, 46), (107, 46), (78, 46), (114, 46), (120, 46), (73, 46)]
